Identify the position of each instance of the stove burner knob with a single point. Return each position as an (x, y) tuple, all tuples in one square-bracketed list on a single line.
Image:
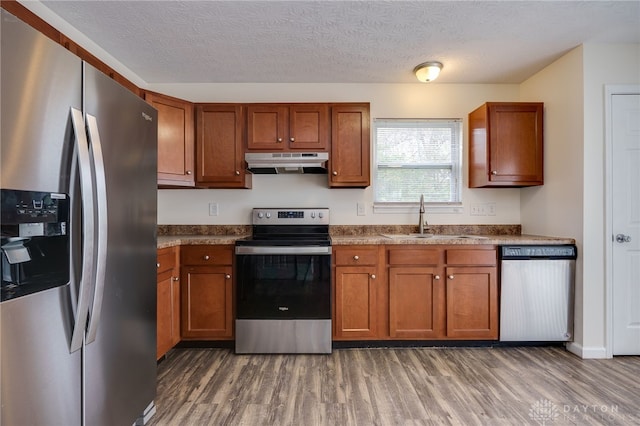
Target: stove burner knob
[(260, 215), (313, 215), (268, 215), (320, 215)]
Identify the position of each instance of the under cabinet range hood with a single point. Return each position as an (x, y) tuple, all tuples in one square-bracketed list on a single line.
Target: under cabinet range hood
[(287, 162)]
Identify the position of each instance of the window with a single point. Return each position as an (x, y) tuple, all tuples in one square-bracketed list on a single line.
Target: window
[(417, 156)]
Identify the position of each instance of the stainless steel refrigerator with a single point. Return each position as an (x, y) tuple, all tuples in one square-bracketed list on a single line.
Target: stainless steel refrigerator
[(78, 182)]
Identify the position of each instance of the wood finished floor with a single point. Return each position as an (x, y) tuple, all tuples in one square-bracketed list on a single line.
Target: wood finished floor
[(397, 386)]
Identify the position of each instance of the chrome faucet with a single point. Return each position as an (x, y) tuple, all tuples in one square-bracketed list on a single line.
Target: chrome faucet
[(421, 218)]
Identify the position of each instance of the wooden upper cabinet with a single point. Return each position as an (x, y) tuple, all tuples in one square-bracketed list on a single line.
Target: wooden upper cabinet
[(175, 140), (506, 145), (349, 161), (219, 153), (309, 127), (283, 127)]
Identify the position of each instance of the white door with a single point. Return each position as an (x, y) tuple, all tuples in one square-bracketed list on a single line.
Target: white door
[(625, 138)]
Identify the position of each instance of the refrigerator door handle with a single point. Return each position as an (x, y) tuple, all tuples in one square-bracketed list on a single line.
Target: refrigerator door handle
[(85, 290), (102, 226)]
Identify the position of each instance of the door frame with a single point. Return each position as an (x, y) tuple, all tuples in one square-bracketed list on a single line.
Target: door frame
[(609, 92)]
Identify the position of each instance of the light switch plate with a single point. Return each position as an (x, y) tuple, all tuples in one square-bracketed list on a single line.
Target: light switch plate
[(213, 209), (361, 209)]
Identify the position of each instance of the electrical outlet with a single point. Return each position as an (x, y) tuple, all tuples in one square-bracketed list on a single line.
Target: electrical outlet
[(361, 209), (491, 209), (213, 209), (476, 210)]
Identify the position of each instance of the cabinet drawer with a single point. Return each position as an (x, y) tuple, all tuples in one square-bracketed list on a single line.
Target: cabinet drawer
[(472, 257), (166, 259), (207, 255), (362, 255), (418, 256)]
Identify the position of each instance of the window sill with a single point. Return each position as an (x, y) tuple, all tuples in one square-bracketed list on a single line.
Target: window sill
[(390, 208)]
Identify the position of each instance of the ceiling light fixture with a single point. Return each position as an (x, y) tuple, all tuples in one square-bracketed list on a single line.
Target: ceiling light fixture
[(427, 71)]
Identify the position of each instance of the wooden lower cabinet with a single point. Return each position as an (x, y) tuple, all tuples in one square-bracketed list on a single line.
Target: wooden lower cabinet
[(472, 302), (168, 301), (416, 299), (425, 292), (416, 294), (355, 293), (207, 293), (472, 293)]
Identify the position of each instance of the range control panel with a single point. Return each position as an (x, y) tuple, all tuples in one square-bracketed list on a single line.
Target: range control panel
[(290, 216)]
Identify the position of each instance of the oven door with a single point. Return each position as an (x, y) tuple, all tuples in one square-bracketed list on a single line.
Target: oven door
[(283, 282)]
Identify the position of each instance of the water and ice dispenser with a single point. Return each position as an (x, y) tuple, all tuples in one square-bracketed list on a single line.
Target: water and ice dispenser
[(34, 243)]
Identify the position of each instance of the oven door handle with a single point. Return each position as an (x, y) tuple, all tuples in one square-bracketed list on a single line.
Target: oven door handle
[(283, 250)]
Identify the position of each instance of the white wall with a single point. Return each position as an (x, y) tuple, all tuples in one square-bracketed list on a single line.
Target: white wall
[(573, 91), (387, 101), (603, 64), (556, 208)]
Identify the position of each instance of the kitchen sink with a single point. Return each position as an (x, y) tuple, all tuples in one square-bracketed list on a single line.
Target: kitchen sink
[(433, 236)]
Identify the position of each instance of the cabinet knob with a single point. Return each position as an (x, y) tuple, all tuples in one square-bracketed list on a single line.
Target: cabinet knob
[(494, 172), (279, 140), (436, 277), (189, 172), (356, 257), (450, 277), (335, 173), (206, 257), (157, 265), (227, 276), (175, 278), (373, 276), (237, 173), (292, 139)]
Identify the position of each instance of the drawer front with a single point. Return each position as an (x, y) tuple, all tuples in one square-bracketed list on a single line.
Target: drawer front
[(207, 255), (419, 256), (472, 257), (166, 259), (364, 255)]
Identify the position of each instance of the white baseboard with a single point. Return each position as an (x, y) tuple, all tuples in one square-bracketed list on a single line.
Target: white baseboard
[(587, 352)]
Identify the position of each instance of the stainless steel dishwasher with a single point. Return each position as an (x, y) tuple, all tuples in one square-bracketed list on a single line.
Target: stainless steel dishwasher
[(536, 299)]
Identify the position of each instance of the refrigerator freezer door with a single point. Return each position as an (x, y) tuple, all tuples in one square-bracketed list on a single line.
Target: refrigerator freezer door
[(120, 363), (41, 81), (41, 381)]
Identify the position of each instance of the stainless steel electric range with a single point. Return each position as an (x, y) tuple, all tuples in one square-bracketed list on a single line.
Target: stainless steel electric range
[(283, 283)]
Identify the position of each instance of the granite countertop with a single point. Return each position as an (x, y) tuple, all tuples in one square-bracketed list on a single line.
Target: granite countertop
[(169, 235), (459, 239), (192, 240)]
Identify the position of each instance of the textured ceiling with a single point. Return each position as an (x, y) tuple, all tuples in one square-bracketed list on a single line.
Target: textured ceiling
[(345, 41)]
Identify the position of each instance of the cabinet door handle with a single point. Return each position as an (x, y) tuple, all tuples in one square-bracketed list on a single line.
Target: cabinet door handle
[(176, 278), (206, 257), (494, 172), (292, 139), (279, 140), (373, 276), (450, 277), (237, 173), (227, 276), (436, 277), (335, 173), (356, 257), (189, 172), (157, 265)]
